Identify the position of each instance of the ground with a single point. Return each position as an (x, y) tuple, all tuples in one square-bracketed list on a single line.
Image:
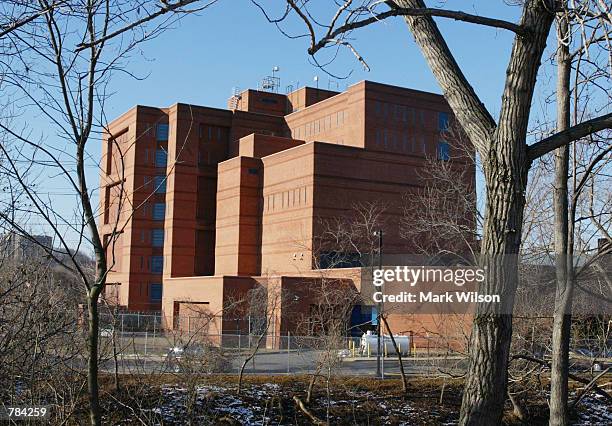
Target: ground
[(213, 400)]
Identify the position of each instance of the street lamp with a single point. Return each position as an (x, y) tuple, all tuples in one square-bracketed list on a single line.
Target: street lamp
[(380, 367)]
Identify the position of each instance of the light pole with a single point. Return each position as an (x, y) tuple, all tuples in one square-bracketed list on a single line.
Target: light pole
[(380, 372)]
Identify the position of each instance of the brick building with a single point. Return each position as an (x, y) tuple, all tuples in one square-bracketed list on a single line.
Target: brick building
[(217, 201)]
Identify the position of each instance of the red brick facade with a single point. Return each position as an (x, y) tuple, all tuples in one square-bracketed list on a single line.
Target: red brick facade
[(216, 201)]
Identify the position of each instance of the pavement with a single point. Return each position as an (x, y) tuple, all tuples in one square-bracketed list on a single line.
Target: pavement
[(293, 362)]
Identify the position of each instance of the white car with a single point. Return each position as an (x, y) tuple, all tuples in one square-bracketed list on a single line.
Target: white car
[(107, 332)]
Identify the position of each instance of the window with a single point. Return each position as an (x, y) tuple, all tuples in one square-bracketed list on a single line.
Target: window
[(443, 151), (161, 157), (162, 132), (157, 237), (155, 292), (442, 121), (333, 260), (157, 264), (160, 184), (159, 211)]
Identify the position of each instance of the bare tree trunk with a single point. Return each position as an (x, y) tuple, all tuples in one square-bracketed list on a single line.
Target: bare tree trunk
[(311, 383), (517, 408), (250, 357), (505, 164), (505, 169), (399, 356), (562, 319), (115, 353), (92, 362), (314, 419)]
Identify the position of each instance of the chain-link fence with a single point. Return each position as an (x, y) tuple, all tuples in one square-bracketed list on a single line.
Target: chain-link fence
[(139, 341)]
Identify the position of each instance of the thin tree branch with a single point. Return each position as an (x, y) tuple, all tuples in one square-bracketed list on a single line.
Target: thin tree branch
[(411, 11), (167, 8), (8, 28)]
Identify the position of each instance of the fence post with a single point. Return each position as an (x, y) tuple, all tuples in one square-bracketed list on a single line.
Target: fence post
[(145, 344), (288, 349)]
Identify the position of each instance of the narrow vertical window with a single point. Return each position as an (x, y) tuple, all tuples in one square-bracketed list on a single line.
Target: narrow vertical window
[(157, 264), (157, 237), (443, 151), (160, 184), (159, 211), (155, 292), (161, 157), (442, 121), (162, 132)]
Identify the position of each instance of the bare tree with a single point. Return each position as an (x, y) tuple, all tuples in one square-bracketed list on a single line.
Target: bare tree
[(57, 58), (264, 303), (443, 220), (501, 145), (591, 33)]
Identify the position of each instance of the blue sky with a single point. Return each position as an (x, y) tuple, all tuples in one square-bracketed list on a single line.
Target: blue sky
[(230, 45)]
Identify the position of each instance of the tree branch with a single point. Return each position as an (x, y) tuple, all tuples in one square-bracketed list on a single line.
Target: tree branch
[(572, 376), (411, 11), (471, 113), (565, 137), (167, 8), (8, 28)]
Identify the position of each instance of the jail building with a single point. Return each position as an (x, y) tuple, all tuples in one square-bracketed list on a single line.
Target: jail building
[(199, 205)]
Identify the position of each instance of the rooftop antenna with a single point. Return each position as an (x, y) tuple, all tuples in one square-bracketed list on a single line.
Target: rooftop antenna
[(316, 80), (332, 83), (271, 83)]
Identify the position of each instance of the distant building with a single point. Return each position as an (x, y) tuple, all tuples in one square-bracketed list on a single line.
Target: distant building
[(21, 248), (216, 201)]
